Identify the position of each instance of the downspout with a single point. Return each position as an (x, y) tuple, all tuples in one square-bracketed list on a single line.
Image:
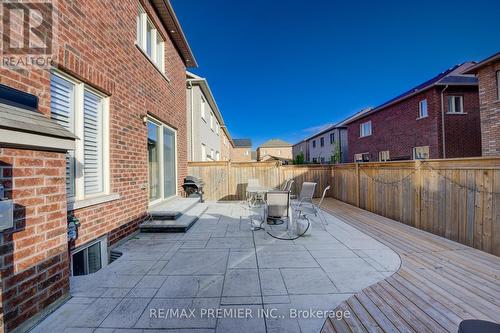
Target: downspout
[(192, 119), (442, 121)]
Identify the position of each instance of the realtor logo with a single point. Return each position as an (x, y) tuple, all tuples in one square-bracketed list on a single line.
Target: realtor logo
[(27, 33)]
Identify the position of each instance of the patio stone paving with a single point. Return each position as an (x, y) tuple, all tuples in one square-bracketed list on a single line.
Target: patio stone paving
[(220, 269)]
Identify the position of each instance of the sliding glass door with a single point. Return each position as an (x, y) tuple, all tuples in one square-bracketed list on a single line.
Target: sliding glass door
[(169, 181), (162, 171)]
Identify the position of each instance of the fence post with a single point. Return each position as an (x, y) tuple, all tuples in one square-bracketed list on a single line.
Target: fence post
[(358, 189), (418, 193)]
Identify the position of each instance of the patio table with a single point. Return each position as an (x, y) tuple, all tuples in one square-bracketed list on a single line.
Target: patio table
[(256, 194)]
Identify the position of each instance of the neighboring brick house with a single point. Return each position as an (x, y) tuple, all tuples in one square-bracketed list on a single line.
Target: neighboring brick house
[(275, 148), (410, 126), (327, 146), (208, 137), (488, 73), (242, 151), (226, 146), (125, 66)]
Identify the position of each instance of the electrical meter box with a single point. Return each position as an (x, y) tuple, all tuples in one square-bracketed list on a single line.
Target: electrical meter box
[(6, 214)]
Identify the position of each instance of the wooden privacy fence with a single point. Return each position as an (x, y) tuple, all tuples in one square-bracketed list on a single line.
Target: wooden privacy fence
[(454, 198)]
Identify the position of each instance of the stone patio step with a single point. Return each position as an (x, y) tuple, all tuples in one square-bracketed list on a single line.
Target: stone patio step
[(181, 224), (173, 208)]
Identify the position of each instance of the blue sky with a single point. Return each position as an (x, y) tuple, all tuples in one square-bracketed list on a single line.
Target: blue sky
[(284, 68)]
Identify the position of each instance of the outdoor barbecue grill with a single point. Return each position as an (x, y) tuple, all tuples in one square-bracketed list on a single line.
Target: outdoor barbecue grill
[(193, 186)]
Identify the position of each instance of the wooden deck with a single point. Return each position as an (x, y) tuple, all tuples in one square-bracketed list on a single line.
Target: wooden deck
[(439, 284)]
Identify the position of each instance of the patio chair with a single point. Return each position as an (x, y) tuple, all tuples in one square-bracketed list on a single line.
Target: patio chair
[(288, 185), (252, 198), (277, 206), (306, 193), (313, 209)]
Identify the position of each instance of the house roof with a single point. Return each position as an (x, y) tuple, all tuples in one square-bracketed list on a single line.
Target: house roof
[(170, 21), (194, 79), (242, 143), (275, 143), (491, 59), (453, 76)]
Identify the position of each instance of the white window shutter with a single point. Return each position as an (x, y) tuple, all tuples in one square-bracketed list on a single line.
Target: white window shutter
[(93, 144), (62, 101)]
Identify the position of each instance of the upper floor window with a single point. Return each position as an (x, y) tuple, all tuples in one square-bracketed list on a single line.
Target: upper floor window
[(150, 40), (247, 152), (202, 107), (322, 142), (314, 143), (455, 104), (84, 112), (211, 121), (217, 156), (365, 129), (423, 109), (332, 138), (217, 127)]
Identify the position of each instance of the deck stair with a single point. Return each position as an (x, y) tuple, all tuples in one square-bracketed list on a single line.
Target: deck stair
[(173, 215)]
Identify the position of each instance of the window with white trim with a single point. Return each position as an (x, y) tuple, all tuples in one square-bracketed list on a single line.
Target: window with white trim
[(217, 127), (203, 152), (363, 157), (383, 156), (455, 104), (420, 153), (365, 129), (150, 40), (203, 107), (217, 156), (84, 112), (422, 108), (211, 121)]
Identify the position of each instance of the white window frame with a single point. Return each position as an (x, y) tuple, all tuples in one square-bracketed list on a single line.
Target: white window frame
[(79, 156), (203, 152), (104, 252), (383, 156), (421, 114), (212, 121), (421, 147), (217, 156), (157, 56), (360, 155), (216, 127), (453, 108), (203, 109), (365, 129)]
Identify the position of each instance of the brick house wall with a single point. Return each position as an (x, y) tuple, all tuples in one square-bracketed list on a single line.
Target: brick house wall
[(96, 44), (34, 254), (284, 152), (238, 154), (225, 147), (398, 129), (490, 109)]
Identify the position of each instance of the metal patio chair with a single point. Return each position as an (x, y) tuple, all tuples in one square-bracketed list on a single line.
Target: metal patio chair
[(277, 206), (315, 210)]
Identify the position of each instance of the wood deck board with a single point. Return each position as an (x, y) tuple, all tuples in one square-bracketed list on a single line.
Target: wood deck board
[(440, 282)]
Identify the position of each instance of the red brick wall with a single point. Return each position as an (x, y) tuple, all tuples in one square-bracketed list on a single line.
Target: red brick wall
[(96, 44), (398, 129), (490, 109), (463, 131), (34, 254)]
